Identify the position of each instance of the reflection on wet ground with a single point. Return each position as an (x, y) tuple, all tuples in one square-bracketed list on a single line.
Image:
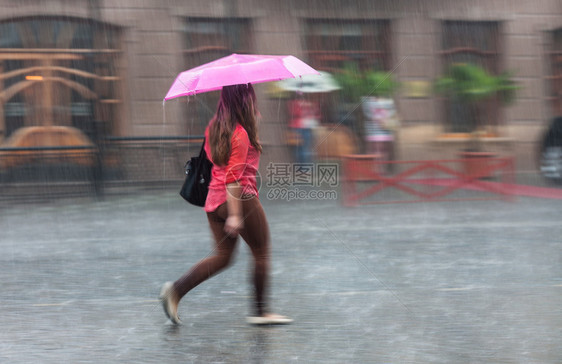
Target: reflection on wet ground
[(417, 283)]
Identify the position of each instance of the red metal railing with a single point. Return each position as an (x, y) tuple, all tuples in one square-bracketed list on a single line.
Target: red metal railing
[(440, 178)]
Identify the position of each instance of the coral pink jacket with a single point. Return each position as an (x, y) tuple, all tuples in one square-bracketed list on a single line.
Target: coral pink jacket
[(242, 166)]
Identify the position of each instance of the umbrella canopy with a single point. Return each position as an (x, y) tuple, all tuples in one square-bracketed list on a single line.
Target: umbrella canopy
[(321, 82), (237, 69)]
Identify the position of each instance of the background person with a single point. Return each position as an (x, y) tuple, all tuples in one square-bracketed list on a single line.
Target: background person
[(304, 116)]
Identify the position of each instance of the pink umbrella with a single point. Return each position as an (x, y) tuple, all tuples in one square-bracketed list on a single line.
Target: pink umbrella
[(237, 69)]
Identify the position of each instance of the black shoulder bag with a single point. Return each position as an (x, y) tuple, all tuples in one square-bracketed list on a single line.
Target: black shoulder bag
[(197, 178)]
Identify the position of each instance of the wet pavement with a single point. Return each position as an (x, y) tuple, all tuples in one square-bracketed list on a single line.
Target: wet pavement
[(446, 282)]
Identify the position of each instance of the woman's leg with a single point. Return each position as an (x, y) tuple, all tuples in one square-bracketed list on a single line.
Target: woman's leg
[(256, 234), (218, 260)]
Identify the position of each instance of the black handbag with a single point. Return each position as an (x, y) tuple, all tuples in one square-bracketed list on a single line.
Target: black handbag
[(197, 178)]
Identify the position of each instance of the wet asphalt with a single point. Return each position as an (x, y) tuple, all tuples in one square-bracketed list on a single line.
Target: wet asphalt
[(442, 282)]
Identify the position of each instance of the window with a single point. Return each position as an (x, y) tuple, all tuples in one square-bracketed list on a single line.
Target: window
[(556, 77), (57, 71), (330, 44), (206, 40), (476, 43)]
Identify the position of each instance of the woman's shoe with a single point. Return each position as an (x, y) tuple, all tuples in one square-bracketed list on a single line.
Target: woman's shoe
[(169, 302), (269, 319)]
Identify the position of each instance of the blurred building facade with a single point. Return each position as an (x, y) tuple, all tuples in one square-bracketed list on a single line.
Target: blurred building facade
[(106, 65)]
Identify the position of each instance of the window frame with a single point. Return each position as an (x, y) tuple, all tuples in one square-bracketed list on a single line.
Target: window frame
[(90, 69), (485, 52), (195, 53), (555, 78), (375, 43)]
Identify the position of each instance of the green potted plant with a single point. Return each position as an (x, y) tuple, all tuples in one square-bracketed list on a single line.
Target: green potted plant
[(356, 84), (472, 85), (362, 91)]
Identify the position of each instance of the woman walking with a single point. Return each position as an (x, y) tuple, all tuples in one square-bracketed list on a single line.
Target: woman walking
[(232, 205)]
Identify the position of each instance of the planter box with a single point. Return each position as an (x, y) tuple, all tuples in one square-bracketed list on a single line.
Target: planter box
[(475, 163)]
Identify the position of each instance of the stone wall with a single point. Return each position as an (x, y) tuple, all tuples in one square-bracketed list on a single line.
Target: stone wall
[(152, 53)]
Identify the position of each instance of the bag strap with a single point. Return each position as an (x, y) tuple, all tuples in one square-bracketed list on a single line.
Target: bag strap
[(201, 154), (202, 151)]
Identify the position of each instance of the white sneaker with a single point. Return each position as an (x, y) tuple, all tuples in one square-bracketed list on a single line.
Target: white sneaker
[(269, 319), (170, 308)]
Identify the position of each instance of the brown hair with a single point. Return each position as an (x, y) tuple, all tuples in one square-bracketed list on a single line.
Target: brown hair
[(237, 105)]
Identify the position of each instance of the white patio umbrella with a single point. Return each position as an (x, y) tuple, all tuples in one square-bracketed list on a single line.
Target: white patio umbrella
[(320, 83)]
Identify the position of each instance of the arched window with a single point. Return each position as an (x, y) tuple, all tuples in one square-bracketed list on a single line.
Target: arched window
[(57, 71)]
